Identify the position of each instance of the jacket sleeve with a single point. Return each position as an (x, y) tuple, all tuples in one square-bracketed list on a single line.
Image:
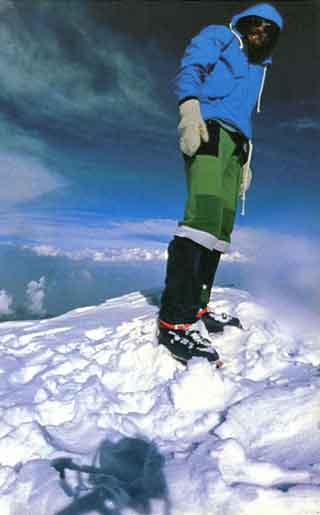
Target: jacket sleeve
[(199, 59)]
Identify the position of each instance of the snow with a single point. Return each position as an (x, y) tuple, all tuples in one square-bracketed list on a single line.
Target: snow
[(92, 386)]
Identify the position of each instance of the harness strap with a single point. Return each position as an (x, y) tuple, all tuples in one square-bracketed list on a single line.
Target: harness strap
[(175, 327), (202, 312)]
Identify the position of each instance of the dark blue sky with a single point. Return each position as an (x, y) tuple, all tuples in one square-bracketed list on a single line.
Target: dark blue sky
[(88, 116)]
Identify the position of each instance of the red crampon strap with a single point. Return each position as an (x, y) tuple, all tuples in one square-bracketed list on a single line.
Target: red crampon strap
[(202, 312), (175, 327)]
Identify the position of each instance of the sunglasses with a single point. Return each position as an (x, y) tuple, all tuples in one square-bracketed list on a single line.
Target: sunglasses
[(268, 26)]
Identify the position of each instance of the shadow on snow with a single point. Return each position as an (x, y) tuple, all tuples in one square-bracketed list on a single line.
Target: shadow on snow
[(126, 474)]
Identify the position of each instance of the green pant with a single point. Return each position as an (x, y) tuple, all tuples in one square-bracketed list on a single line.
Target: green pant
[(213, 183)]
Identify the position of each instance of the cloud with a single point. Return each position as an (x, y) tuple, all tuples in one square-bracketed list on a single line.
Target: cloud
[(110, 255), (57, 283), (44, 250), (76, 231), (35, 295), (280, 269), (303, 123), (25, 178), (283, 271), (79, 71), (157, 227), (66, 78), (236, 257), (5, 303), (19, 140), (5, 5), (122, 255)]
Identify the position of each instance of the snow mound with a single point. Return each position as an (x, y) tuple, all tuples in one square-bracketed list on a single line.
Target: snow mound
[(92, 389)]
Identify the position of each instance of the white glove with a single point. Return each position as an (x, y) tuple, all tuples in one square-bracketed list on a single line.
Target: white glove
[(246, 180), (192, 128)]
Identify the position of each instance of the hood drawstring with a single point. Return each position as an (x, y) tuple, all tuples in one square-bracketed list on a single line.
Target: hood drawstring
[(261, 89), (246, 166), (236, 35), (245, 171)]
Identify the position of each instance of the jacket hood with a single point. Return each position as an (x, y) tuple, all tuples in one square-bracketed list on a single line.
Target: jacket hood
[(266, 11)]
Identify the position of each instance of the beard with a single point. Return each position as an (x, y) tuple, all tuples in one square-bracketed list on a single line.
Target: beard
[(258, 45), (256, 53)]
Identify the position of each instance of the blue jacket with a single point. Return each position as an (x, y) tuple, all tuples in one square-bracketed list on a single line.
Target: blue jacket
[(215, 69)]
